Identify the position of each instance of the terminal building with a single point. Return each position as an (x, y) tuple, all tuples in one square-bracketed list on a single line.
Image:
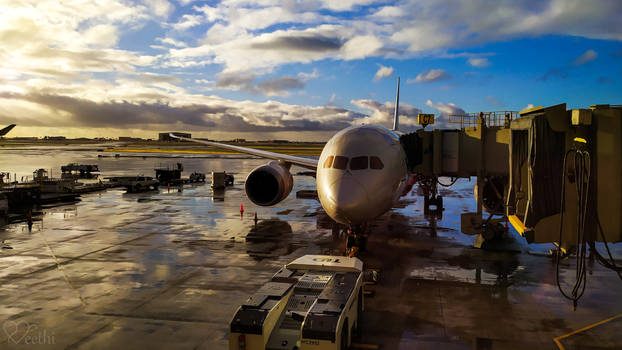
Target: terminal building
[(164, 136)]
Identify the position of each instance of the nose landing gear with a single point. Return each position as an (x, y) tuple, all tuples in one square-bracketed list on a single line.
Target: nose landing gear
[(356, 240)]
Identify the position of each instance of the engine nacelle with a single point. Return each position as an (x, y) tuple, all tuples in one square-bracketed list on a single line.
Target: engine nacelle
[(269, 184)]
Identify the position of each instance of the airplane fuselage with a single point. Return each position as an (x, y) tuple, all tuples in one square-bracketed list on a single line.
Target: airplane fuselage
[(361, 173)]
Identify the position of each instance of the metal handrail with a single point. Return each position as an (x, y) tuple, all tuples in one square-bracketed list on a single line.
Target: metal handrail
[(496, 118)]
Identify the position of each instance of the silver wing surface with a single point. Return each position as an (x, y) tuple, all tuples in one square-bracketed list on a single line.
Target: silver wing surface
[(300, 161)]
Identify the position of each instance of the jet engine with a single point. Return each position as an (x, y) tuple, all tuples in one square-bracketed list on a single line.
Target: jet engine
[(269, 184)]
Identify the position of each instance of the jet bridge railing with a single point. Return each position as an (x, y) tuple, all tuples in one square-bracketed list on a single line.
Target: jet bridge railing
[(470, 120)]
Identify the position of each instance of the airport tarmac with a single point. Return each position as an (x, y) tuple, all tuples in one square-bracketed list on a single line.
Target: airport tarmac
[(168, 269)]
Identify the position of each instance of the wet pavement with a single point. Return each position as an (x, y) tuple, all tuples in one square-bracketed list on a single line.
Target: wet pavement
[(168, 269)]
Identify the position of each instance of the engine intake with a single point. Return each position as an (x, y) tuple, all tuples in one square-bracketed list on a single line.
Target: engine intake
[(269, 184)]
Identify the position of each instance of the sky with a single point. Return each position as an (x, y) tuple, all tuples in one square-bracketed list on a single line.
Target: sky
[(295, 69)]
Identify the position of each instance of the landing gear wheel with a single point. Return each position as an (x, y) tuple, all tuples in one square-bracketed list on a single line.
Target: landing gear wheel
[(437, 202), (356, 240)]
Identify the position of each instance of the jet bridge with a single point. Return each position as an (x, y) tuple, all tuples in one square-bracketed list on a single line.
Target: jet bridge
[(566, 167), (535, 168), (478, 148)]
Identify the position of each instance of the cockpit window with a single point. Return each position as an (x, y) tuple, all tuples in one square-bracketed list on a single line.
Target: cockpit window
[(375, 163), (340, 162), (328, 162), (358, 163)]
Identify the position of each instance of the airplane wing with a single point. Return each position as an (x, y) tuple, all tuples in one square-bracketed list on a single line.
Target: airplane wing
[(309, 163)]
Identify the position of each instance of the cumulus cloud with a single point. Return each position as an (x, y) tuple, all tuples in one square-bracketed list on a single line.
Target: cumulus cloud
[(161, 8), (259, 36), (211, 113), (586, 57), (430, 76), (383, 72), (280, 86), (299, 42), (386, 31), (479, 62), (187, 21), (78, 52), (46, 36), (382, 113), (445, 108), (171, 42)]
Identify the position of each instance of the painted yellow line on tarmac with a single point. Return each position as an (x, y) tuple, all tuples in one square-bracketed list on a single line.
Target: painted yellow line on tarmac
[(559, 344), (290, 147), (196, 151)]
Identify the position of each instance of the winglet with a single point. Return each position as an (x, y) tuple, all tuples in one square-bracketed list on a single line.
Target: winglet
[(396, 121)]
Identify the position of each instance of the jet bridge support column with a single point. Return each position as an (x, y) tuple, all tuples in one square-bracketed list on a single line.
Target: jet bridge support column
[(481, 172)]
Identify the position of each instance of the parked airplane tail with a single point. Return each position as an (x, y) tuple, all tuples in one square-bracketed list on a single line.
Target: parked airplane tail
[(6, 130), (396, 121)]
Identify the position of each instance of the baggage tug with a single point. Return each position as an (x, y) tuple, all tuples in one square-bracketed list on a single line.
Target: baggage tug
[(314, 302)]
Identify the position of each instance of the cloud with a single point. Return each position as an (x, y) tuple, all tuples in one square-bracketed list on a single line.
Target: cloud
[(172, 42), (479, 62), (383, 72), (388, 13), (270, 87), (236, 81), (103, 35), (211, 113), (430, 76), (299, 43), (382, 113), (280, 85), (260, 36), (360, 47), (151, 78), (261, 53), (586, 57), (445, 108), (528, 106), (46, 36), (345, 5), (82, 52), (187, 21), (161, 8), (305, 31)]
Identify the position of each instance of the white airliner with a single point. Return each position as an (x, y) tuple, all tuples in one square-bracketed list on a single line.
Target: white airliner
[(360, 174)]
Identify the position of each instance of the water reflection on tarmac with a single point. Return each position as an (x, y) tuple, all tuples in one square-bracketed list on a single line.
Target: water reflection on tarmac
[(168, 269)]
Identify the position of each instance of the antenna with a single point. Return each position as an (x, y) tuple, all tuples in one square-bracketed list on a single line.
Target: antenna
[(396, 121)]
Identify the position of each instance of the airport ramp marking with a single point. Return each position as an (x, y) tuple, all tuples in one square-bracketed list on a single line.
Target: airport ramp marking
[(557, 339), (60, 268)]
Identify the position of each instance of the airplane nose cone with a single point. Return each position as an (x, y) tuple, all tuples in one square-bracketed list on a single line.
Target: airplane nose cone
[(349, 201)]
